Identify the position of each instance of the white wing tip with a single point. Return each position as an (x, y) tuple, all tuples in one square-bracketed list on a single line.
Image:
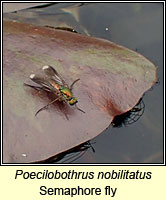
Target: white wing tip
[(45, 67), (32, 76)]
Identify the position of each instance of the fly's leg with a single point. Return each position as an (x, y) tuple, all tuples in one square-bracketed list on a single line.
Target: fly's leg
[(71, 87), (47, 105), (79, 108)]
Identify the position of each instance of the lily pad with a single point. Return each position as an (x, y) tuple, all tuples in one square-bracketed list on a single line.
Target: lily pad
[(112, 80)]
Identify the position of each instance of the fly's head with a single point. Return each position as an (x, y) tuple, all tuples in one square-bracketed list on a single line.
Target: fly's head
[(73, 101)]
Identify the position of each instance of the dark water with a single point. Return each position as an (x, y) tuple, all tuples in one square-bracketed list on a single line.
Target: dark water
[(138, 26)]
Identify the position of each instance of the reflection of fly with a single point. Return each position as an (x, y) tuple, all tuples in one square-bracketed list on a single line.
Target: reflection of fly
[(54, 83)]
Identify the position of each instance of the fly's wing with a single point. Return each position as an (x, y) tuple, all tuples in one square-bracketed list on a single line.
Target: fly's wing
[(53, 74), (46, 85)]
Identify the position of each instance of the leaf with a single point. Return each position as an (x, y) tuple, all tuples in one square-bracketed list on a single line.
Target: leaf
[(112, 80)]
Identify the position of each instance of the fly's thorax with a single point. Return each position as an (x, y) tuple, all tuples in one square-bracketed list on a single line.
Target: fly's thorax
[(66, 92)]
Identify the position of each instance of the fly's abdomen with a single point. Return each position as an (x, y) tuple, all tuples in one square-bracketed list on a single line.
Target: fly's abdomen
[(55, 86)]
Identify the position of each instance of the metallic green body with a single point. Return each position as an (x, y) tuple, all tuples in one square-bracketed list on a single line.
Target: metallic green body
[(67, 94)]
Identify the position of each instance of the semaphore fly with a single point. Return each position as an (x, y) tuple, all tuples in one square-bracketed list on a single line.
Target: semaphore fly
[(52, 82)]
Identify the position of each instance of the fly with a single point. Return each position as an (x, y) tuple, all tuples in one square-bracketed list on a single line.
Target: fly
[(55, 84)]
